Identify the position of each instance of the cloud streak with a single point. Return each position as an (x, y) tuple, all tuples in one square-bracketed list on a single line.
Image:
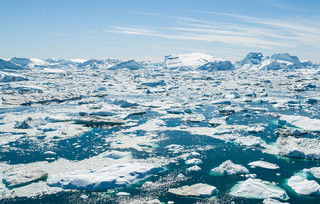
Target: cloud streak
[(238, 30)]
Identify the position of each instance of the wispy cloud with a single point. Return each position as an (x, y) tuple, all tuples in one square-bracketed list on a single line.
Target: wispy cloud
[(239, 30)]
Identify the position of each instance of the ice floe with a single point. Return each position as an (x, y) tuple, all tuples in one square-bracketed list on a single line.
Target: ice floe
[(229, 168), (196, 190), (116, 175), (259, 189)]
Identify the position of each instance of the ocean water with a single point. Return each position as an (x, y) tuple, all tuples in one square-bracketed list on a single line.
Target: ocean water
[(212, 152)]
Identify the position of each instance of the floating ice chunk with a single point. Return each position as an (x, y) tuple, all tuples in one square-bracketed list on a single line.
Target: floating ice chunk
[(229, 168), (217, 66), (196, 190), (154, 84), (124, 103), (256, 188), (175, 148), (308, 148), (123, 194), (187, 60), (194, 118), (20, 177), (11, 77), (131, 64), (116, 154), (249, 141), (194, 168), (255, 130), (302, 122), (194, 161), (314, 171), (217, 121), (57, 118), (221, 102), (272, 201), (303, 186), (115, 175), (263, 164)]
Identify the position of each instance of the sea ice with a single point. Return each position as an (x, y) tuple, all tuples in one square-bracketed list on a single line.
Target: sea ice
[(115, 175), (314, 172), (19, 177), (229, 168), (256, 188), (303, 186), (263, 164), (196, 190)]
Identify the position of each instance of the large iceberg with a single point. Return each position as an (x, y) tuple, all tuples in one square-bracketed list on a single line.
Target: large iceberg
[(256, 188), (116, 175), (304, 186), (308, 148), (187, 60)]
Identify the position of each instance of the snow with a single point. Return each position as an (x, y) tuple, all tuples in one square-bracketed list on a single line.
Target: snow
[(229, 168), (196, 190), (303, 186), (116, 175), (259, 189), (263, 164)]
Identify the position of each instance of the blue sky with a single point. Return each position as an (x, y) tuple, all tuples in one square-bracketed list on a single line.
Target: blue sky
[(151, 29)]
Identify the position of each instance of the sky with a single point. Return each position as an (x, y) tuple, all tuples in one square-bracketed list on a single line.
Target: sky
[(151, 29)]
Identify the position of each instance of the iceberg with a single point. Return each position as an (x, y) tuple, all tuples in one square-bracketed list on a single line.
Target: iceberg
[(258, 189), (115, 175), (196, 190), (303, 186), (229, 168), (308, 148), (19, 177), (263, 164)]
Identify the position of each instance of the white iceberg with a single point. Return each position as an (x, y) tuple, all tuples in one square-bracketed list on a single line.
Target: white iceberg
[(256, 188), (314, 172), (115, 175), (304, 186), (196, 190), (263, 164), (229, 168), (308, 148)]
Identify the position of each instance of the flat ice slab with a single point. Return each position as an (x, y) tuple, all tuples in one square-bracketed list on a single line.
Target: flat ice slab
[(263, 164), (20, 177), (302, 122), (196, 190), (256, 188), (303, 186), (116, 175)]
